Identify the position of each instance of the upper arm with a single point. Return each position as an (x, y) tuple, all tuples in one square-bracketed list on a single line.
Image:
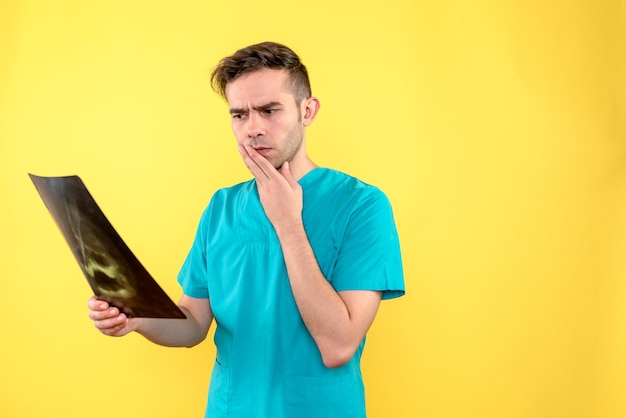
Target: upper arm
[(369, 257)]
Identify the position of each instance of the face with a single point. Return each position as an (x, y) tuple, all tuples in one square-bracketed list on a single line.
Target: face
[(266, 116)]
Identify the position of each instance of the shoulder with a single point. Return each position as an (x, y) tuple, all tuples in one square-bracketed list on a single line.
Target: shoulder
[(230, 193), (226, 197), (234, 190), (347, 187), (338, 181)]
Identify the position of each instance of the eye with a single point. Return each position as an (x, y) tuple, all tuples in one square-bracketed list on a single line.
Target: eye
[(238, 116), (270, 111)]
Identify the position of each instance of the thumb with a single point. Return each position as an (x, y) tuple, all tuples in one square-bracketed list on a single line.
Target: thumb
[(286, 173)]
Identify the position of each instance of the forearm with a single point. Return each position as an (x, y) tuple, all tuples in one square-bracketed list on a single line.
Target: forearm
[(179, 332), (171, 332), (323, 311)]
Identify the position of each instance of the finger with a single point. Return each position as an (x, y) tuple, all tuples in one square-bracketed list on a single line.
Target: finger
[(247, 153), (95, 304), (285, 171), (116, 331), (268, 169), (111, 324), (105, 314)]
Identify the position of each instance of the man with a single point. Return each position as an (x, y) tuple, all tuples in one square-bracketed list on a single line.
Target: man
[(292, 264)]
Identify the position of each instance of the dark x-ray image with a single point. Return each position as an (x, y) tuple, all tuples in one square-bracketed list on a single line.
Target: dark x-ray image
[(112, 270)]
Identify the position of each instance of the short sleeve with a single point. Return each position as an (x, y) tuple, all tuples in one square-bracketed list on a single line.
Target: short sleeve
[(369, 257), (193, 274)]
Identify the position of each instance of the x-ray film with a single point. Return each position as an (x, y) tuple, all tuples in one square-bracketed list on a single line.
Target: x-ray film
[(112, 270)]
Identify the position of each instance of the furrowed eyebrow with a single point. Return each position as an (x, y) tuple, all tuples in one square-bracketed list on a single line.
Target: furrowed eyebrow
[(235, 110), (267, 106)]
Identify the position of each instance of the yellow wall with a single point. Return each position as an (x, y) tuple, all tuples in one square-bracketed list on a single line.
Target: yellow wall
[(497, 129)]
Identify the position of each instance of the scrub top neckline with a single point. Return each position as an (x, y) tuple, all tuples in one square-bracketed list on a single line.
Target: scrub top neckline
[(311, 176)]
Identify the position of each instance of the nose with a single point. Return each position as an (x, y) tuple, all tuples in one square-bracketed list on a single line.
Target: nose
[(255, 126)]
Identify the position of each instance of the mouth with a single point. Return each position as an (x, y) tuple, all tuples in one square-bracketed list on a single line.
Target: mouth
[(262, 150)]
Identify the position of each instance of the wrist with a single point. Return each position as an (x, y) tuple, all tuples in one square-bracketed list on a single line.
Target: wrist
[(290, 231), (137, 325)]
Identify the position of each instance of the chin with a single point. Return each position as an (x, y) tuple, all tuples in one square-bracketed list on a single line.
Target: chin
[(278, 164)]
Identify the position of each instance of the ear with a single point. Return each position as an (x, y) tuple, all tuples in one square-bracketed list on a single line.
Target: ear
[(309, 109)]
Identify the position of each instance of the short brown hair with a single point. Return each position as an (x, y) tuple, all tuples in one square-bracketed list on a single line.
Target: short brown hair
[(259, 56)]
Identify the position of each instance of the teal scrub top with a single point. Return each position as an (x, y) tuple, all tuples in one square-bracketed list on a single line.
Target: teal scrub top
[(267, 363)]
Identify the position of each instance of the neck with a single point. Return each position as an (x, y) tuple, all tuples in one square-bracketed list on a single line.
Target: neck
[(301, 166)]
